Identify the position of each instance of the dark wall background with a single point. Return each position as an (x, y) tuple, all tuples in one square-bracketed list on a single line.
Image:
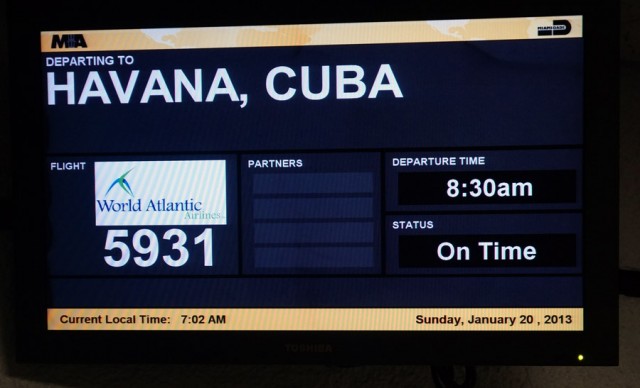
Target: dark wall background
[(627, 374)]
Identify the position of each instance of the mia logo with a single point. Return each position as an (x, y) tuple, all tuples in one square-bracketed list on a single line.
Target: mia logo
[(121, 181), (559, 27), (68, 41)]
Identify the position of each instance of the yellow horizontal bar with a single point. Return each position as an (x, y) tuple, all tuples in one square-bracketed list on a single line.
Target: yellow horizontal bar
[(306, 34), (326, 319)]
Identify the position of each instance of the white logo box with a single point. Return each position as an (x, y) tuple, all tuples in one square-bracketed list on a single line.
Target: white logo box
[(180, 192)]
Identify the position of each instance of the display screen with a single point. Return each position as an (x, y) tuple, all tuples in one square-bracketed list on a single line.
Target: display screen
[(414, 176), (196, 187)]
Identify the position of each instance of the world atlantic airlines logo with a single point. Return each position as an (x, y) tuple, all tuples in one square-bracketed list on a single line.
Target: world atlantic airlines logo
[(168, 192), (559, 27), (122, 182)]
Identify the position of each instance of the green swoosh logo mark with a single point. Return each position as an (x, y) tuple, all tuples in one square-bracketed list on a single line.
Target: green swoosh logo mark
[(122, 182)]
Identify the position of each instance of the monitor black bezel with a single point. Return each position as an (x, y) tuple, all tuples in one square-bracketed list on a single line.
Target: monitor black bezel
[(598, 342)]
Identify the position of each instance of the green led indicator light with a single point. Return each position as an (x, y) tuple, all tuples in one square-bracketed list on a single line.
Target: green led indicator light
[(580, 357)]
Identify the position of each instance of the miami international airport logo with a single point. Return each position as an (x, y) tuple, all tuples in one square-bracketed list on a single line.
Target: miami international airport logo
[(173, 192), (122, 182), (68, 41)]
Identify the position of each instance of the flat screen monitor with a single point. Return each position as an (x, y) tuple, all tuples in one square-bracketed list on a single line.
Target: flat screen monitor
[(423, 184)]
